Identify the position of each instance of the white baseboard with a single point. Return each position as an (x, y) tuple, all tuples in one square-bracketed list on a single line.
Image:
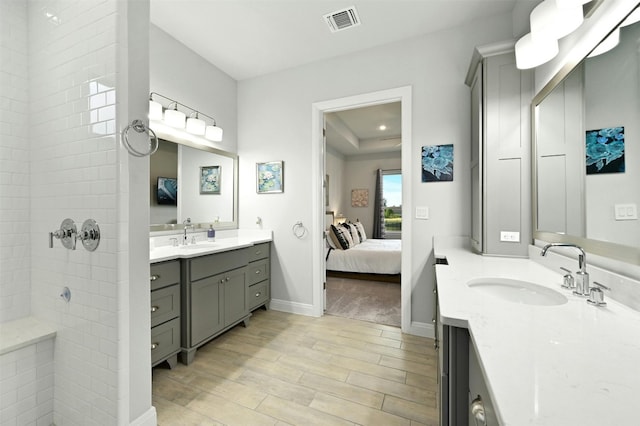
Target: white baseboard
[(148, 418), (292, 307), (422, 329)]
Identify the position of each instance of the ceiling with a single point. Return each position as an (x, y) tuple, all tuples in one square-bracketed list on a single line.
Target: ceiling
[(248, 38), (357, 131)]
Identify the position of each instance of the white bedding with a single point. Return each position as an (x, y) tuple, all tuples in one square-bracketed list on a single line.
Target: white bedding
[(371, 256)]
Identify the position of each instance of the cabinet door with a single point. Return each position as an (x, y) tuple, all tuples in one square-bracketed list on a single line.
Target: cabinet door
[(206, 318), (235, 296)]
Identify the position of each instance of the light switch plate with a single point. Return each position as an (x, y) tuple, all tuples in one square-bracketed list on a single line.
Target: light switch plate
[(626, 212), (510, 237), (422, 213)]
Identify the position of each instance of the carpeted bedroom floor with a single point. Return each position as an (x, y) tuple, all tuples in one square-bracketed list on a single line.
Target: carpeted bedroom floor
[(372, 301)]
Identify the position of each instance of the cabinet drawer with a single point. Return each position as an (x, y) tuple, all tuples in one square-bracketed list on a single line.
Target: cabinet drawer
[(165, 340), (258, 271), (258, 294), (165, 304), (259, 251), (164, 274), (213, 264)]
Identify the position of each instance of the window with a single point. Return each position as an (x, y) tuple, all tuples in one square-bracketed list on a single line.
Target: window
[(392, 202)]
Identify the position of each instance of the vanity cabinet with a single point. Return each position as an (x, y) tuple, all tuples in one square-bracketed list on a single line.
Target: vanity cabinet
[(500, 151), (479, 398), (165, 312), (214, 297), (259, 283)]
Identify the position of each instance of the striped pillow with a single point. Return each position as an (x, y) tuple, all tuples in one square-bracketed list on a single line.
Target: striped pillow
[(353, 230), (361, 234), (339, 238)]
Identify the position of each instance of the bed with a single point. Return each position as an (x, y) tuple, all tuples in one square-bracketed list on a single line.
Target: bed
[(371, 259), (370, 256)]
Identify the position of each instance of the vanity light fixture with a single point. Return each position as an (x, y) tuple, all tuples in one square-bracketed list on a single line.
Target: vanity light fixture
[(172, 115), (547, 19), (195, 125), (607, 44), (532, 52)]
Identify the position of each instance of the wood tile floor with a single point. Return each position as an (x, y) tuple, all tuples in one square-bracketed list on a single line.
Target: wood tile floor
[(287, 369)]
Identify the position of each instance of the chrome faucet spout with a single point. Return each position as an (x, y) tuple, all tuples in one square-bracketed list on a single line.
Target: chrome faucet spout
[(187, 224), (582, 276)]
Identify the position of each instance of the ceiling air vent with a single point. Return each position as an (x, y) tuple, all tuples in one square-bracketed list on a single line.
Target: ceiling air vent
[(342, 19)]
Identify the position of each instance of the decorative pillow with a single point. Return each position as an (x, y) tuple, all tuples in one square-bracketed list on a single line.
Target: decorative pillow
[(338, 235), (354, 233), (361, 234), (329, 240)]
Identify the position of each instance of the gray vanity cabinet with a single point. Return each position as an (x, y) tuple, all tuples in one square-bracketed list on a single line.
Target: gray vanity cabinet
[(214, 297), (258, 282), (165, 312)]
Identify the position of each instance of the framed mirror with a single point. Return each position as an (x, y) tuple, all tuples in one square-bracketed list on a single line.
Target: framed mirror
[(586, 153), (190, 180)]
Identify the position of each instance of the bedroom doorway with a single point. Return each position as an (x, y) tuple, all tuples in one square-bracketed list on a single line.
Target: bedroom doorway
[(345, 176)]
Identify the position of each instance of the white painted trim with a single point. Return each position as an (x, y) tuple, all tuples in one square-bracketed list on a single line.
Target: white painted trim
[(402, 94), (149, 418), (422, 329), (293, 307)]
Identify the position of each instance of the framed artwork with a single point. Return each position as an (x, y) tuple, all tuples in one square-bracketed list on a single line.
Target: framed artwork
[(210, 180), (437, 163), (605, 150), (359, 197), (270, 177)]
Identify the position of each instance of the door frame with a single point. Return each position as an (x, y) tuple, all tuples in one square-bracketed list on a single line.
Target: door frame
[(318, 109)]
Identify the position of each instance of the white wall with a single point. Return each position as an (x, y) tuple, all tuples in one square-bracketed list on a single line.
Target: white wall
[(179, 73), (611, 99), (360, 172), (15, 287), (334, 167), (275, 124)]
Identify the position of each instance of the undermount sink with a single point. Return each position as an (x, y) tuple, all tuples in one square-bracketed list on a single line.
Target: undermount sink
[(518, 291), (198, 246)]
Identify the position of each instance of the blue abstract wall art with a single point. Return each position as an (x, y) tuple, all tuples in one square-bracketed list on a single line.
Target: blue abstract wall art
[(605, 150), (437, 163)]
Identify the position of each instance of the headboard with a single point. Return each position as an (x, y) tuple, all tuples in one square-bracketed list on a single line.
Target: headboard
[(328, 219)]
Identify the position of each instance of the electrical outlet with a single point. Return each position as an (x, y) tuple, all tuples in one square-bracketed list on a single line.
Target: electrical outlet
[(510, 237)]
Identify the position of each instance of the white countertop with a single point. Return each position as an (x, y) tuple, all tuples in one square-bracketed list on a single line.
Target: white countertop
[(570, 364), (160, 248)]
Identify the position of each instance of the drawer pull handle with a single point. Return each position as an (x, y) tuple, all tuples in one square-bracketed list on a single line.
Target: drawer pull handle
[(227, 280), (154, 277), (155, 345), (258, 294), (258, 272), (258, 252), (155, 308)]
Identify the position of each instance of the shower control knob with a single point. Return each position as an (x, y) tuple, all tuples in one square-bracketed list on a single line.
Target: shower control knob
[(66, 234)]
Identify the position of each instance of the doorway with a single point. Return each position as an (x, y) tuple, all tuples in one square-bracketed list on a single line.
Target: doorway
[(402, 95)]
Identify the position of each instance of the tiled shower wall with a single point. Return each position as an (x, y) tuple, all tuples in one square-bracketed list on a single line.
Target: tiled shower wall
[(14, 162), (72, 47)]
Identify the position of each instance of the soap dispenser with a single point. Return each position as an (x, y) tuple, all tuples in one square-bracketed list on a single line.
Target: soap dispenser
[(211, 233)]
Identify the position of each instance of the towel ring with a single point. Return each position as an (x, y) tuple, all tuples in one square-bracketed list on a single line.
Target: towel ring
[(299, 230), (140, 127)]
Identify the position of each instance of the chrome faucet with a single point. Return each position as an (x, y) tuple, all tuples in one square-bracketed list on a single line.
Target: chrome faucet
[(187, 224), (582, 276)]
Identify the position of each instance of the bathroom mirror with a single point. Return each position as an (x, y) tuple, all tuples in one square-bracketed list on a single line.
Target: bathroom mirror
[(587, 153), (189, 180)]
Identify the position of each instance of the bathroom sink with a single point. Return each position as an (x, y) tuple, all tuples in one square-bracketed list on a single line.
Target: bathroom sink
[(199, 246), (518, 291)]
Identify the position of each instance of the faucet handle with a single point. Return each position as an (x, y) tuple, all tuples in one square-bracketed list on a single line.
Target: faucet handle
[(567, 280), (596, 295)]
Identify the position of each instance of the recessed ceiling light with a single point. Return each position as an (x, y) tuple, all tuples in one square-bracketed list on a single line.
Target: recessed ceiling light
[(382, 127)]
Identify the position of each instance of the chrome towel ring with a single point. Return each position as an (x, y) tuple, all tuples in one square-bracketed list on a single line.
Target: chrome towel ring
[(299, 230), (140, 127)]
